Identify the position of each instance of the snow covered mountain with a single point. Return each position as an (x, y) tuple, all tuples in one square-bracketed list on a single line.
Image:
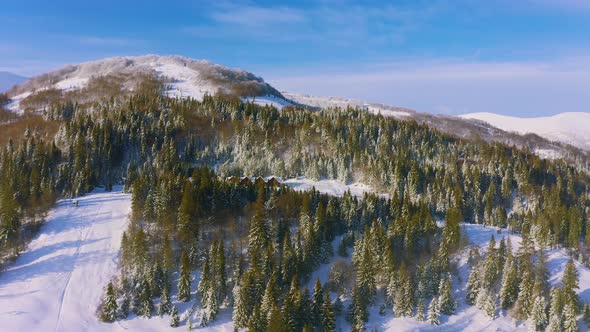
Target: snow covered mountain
[(7, 80), (570, 127), (182, 77)]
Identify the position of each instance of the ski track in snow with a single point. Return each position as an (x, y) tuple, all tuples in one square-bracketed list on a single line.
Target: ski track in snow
[(58, 282)]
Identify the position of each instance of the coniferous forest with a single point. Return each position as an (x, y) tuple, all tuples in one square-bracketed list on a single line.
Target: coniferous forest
[(253, 246)]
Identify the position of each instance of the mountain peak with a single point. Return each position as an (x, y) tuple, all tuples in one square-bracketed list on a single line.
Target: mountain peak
[(182, 77)]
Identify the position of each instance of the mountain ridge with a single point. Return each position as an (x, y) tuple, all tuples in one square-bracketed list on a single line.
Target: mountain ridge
[(189, 78)]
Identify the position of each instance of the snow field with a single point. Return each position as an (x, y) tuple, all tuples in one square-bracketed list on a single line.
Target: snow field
[(57, 284)]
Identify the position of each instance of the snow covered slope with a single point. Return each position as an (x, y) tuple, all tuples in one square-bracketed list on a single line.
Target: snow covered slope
[(58, 282), (183, 77), (570, 128)]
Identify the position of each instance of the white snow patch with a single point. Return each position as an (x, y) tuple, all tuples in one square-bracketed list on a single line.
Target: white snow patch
[(71, 83), (330, 187), (387, 111), (274, 101), (185, 81), (550, 154)]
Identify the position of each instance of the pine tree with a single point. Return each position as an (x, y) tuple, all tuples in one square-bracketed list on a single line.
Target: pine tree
[(570, 283), (525, 295), (109, 306), (433, 312), (327, 320), (269, 297), (184, 282), (258, 233), (570, 323), (420, 311), (147, 305), (487, 302), (125, 304), (366, 275), (165, 305), (291, 307), (317, 303), (174, 319), (473, 285), (538, 318), (275, 320), (257, 321), (554, 324), (240, 312), (509, 285), (446, 303), (404, 297), (210, 307), (586, 312)]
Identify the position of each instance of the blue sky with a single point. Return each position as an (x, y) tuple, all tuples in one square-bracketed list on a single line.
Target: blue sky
[(525, 57)]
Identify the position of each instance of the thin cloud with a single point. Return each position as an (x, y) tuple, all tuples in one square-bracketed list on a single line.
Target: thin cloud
[(106, 41), (322, 25), (252, 16)]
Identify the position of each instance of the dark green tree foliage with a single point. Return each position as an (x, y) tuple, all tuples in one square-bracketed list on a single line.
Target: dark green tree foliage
[(184, 282), (570, 283), (109, 305)]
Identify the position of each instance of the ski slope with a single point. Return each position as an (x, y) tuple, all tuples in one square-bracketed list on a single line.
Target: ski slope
[(57, 283)]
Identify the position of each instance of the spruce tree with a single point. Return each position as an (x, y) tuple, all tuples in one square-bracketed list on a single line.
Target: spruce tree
[(404, 297), (275, 320), (446, 303), (473, 285), (109, 306), (147, 304), (327, 320), (570, 323), (125, 306), (570, 283), (525, 298), (420, 311), (268, 299), (174, 319), (554, 324), (538, 318), (509, 285), (257, 321), (184, 282), (486, 301), (165, 305), (433, 312), (317, 303)]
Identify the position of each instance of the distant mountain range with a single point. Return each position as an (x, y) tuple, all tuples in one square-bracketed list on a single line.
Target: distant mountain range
[(8, 80), (564, 135)]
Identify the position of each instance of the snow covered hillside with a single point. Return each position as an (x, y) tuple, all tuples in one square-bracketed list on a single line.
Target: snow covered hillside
[(182, 77), (570, 128), (58, 282)]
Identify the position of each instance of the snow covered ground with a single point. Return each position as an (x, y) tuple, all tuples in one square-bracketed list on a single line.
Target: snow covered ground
[(275, 101), (330, 187), (469, 318), (58, 282), (570, 127)]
